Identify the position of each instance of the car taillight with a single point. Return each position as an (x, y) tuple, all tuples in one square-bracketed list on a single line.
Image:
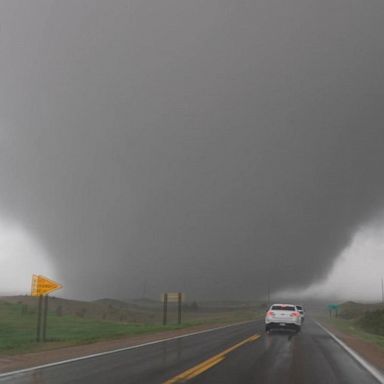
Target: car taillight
[(270, 313), (295, 314)]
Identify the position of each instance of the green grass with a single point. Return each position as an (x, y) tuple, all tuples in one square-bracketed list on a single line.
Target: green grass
[(353, 328), (373, 322), (18, 327), (18, 330)]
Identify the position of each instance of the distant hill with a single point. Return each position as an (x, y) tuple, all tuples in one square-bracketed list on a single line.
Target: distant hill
[(353, 310), (145, 301), (115, 303), (103, 309)]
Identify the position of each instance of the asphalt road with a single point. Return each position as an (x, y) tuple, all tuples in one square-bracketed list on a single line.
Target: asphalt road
[(238, 354)]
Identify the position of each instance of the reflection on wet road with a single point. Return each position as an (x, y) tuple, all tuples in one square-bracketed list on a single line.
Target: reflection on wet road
[(237, 354)]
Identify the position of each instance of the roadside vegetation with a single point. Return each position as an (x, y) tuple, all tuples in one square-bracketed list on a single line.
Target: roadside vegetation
[(76, 322), (365, 321), (373, 322)]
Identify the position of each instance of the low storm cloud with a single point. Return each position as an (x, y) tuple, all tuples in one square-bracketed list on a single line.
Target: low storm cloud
[(200, 146)]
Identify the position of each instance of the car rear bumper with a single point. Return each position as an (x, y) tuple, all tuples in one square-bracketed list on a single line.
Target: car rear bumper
[(282, 325), (286, 320)]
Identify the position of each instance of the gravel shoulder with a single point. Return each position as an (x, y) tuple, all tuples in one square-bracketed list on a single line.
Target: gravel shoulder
[(372, 353)]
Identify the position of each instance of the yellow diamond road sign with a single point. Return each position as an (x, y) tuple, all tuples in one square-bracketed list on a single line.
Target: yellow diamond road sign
[(41, 285)]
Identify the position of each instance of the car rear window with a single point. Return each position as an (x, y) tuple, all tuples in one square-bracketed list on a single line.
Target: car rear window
[(283, 308), (299, 307)]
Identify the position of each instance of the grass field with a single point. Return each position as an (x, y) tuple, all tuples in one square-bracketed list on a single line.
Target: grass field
[(18, 322), (350, 327), (364, 321)]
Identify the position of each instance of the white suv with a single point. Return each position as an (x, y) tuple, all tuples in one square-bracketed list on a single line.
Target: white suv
[(283, 316), (300, 308)]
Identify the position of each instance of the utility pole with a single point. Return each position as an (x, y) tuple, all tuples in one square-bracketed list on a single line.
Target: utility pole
[(382, 291), (269, 286), (144, 290)]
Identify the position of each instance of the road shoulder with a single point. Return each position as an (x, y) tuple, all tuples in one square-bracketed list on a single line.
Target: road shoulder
[(28, 360), (369, 351)]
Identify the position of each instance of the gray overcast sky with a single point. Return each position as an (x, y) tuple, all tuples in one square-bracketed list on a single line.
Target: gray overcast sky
[(191, 145)]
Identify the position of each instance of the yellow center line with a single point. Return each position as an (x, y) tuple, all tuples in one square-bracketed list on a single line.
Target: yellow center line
[(205, 365)]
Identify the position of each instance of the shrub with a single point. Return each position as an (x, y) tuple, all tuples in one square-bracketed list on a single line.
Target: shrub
[(373, 322)]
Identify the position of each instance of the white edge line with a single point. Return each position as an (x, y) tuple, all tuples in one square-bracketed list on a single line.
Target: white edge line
[(372, 370), (25, 370)]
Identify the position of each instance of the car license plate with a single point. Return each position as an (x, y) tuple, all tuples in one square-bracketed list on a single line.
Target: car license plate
[(282, 324)]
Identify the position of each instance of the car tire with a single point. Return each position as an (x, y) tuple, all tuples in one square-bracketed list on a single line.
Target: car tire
[(267, 329), (298, 328)]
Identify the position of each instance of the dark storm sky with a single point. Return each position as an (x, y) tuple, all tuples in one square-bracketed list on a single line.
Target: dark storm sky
[(191, 145)]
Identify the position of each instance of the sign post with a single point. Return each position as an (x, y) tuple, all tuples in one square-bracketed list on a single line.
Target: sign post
[(168, 297), (40, 305), (45, 315), (42, 286), (179, 308), (165, 308), (333, 307)]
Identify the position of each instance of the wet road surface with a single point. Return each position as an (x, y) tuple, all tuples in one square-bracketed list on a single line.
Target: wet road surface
[(238, 354)]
